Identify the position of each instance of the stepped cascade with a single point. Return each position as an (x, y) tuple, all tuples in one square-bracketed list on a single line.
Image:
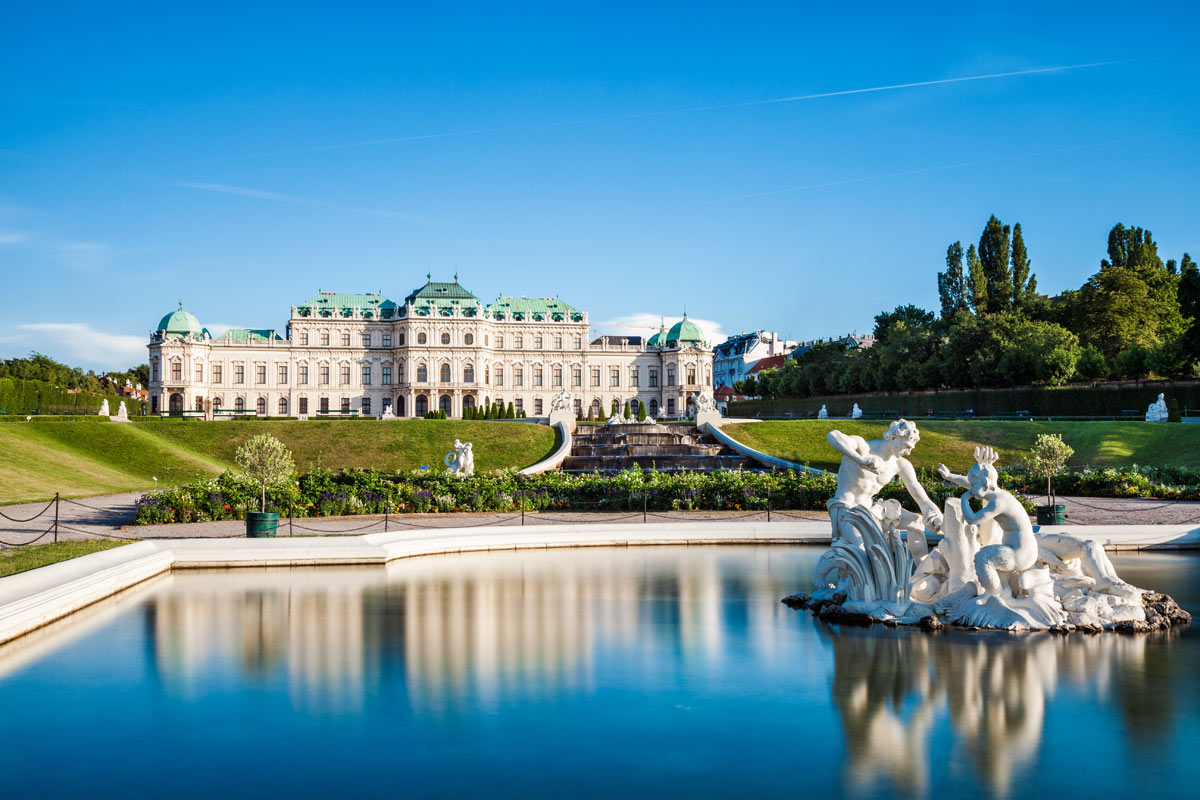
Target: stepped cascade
[(664, 447)]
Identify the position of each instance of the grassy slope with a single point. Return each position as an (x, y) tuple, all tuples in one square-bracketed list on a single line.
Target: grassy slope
[(953, 442), (20, 559), (38, 459)]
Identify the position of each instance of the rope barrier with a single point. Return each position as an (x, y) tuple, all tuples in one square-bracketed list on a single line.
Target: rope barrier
[(346, 530), (101, 510), (43, 535), (29, 519), (1124, 510), (62, 527)]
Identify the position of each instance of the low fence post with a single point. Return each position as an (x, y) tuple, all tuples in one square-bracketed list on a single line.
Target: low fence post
[(768, 502), (522, 508), (643, 506), (387, 508), (291, 506), (56, 517)]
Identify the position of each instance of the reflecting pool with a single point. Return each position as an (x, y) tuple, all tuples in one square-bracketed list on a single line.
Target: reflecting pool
[(607, 673)]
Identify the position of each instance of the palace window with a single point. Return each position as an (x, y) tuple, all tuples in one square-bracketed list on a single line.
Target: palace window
[(468, 339), (216, 404), (345, 404), (445, 338), (283, 406), (366, 340), (199, 403), (614, 377), (469, 374), (302, 374), (402, 340), (260, 374), (387, 374), (304, 339), (558, 343), (260, 406), (366, 405), (578, 407), (653, 378), (345, 376), (537, 376), (387, 340), (324, 376), (671, 408), (670, 376), (578, 342), (421, 339), (595, 376), (303, 405), (444, 373), (176, 371), (691, 376), (518, 376), (633, 377), (519, 404), (499, 340), (422, 374), (519, 341), (240, 404), (199, 372), (239, 374), (323, 404), (485, 340), (487, 375), (499, 376), (216, 373), (325, 340), (576, 376), (537, 343), (557, 376), (282, 375), (154, 369), (366, 376), (345, 340), (537, 406)]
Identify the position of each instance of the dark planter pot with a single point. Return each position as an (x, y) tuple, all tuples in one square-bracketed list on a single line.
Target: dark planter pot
[(1051, 515), (261, 524)]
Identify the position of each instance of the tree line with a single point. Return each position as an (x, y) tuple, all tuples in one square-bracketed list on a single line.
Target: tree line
[(38, 367), (1137, 317)]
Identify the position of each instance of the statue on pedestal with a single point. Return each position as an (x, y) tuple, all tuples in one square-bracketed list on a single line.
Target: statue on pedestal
[(1157, 412), (103, 412), (823, 413), (122, 414), (461, 462), (856, 412)]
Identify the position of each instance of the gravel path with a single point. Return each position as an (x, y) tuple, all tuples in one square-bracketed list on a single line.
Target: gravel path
[(106, 517)]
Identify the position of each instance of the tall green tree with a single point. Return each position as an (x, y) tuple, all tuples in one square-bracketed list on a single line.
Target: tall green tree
[(1024, 283), (994, 255), (1189, 306), (952, 284), (977, 285)]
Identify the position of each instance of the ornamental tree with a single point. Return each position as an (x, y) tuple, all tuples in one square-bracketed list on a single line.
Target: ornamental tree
[(267, 461), (1048, 458)]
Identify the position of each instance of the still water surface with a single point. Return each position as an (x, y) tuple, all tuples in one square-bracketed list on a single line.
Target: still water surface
[(666, 672)]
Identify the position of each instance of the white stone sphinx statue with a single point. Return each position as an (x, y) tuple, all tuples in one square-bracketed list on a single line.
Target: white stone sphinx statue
[(1157, 412), (823, 413), (462, 461), (103, 412), (122, 414), (388, 413), (856, 412)]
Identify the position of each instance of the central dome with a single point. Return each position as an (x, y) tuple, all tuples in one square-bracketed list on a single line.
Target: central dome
[(180, 323)]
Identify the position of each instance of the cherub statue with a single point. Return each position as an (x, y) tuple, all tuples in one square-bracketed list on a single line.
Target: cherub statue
[(461, 462)]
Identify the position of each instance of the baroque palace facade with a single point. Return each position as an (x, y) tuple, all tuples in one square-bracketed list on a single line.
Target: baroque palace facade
[(439, 349)]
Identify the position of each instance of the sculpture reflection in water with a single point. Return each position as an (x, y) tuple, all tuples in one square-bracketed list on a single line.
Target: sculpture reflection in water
[(989, 571), (892, 691)]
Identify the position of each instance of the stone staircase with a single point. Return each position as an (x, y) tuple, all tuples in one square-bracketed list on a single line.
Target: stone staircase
[(668, 448)]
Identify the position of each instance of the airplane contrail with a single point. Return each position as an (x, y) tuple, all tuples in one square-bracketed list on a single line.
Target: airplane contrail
[(665, 112)]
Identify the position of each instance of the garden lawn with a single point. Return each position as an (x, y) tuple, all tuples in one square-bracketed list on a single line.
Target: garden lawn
[(40, 458), (21, 559), (953, 442)]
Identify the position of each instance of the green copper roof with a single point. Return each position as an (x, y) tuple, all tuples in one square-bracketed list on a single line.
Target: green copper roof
[(685, 332), (536, 309), (658, 339), (336, 304), (433, 290), (180, 323), (442, 299), (250, 335)]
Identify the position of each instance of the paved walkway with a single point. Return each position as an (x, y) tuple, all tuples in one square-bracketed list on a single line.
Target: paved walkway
[(106, 517)]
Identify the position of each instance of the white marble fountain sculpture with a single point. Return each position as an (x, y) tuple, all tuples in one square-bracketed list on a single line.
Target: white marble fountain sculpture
[(461, 462), (989, 571)]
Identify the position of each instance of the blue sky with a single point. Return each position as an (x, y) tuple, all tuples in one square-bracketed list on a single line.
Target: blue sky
[(619, 156)]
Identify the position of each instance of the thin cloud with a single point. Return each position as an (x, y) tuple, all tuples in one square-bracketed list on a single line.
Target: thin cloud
[(259, 194), (12, 237), (79, 342), (686, 110), (645, 325)]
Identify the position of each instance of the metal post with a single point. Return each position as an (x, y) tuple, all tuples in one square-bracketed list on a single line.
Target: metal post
[(56, 517), (522, 509), (387, 507), (643, 506), (768, 502), (291, 505)]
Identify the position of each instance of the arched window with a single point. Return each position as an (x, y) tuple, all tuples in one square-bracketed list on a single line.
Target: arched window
[(469, 373), (199, 403), (445, 338), (261, 406), (596, 407), (176, 403), (400, 406), (421, 338), (468, 402), (469, 339), (240, 404), (633, 405), (422, 373), (444, 373), (487, 376), (422, 405), (444, 403), (216, 404), (283, 406)]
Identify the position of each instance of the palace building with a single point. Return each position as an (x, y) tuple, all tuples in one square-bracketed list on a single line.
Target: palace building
[(441, 348)]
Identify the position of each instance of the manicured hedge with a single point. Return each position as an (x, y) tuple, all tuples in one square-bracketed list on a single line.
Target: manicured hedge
[(1098, 401), (20, 397)]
